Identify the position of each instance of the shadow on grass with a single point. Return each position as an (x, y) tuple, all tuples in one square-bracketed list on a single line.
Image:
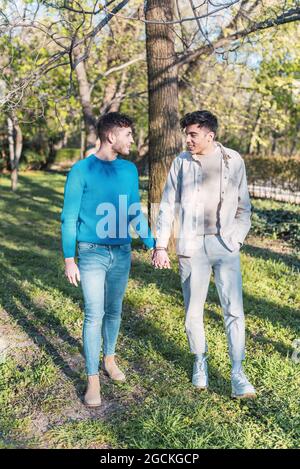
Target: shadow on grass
[(281, 348), (37, 322), (266, 254), (38, 268), (50, 191), (168, 282)]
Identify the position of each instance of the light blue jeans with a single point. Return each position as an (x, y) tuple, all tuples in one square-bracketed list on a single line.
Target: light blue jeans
[(104, 272), (195, 275)]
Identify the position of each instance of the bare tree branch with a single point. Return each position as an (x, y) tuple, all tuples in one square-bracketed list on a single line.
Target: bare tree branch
[(15, 95), (80, 10), (286, 17), (182, 20), (118, 68)]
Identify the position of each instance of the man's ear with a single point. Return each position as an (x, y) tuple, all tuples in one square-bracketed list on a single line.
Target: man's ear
[(111, 137), (211, 136)]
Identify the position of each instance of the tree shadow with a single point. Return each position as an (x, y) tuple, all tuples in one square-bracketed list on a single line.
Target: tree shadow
[(281, 348), (138, 325), (36, 321), (29, 188), (51, 275), (62, 172), (39, 323), (266, 254), (168, 282)]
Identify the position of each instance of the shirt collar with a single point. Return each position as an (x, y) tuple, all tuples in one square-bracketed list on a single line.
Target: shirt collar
[(197, 157), (224, 154)]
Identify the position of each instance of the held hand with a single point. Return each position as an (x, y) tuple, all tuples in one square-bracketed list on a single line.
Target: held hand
[(160, 259), (71, 271)]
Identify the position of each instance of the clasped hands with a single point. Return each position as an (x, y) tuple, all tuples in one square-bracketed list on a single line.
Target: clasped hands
[(160, 259)]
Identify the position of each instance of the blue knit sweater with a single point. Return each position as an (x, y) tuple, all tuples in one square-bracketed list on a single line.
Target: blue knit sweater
[(101, 200)]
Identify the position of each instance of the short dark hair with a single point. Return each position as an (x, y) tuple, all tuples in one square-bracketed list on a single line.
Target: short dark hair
[(107, 122), (202, 118)]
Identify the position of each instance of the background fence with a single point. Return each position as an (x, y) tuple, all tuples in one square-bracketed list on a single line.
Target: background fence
[(276, 178)]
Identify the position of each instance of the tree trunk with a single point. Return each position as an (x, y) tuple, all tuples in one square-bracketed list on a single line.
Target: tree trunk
[(295, 139), (15, 142), (164, 133), (114, 93), (253, 144), (119, 95), (82, 141), (274, 144), (53, 147), (85, 99)]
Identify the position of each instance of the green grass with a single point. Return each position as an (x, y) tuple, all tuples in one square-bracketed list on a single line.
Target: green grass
[(42, 378), (277, 220)]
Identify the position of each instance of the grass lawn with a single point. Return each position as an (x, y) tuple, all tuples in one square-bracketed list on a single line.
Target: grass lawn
[(42, 374)]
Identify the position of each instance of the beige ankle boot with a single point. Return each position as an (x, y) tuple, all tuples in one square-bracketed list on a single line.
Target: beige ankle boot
[(112, 370), (92, 396)]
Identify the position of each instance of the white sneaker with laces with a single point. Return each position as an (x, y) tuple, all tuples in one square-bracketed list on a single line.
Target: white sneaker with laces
[(200, 374), (241, 387)]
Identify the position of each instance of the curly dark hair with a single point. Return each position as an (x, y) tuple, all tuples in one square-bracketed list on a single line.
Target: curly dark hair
[(202, 118), (108, 121)]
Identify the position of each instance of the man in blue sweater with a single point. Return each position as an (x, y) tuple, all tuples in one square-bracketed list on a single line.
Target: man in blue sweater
[(101, 200)]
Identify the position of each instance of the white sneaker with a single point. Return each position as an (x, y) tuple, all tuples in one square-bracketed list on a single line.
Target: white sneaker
[(200, 374), (241, 387)]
